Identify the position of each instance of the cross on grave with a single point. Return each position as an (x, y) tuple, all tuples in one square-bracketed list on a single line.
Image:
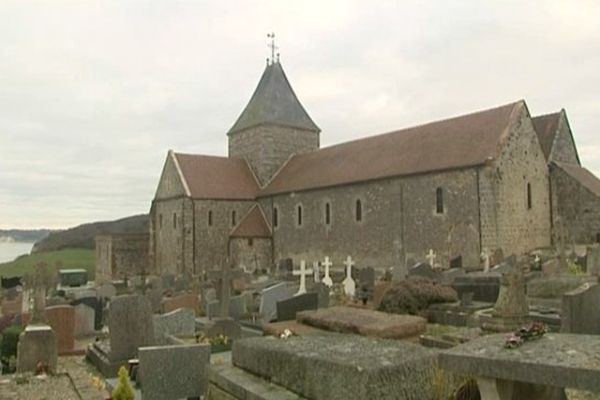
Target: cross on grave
[(327, 279), (39, 282), (431, 258), (225, 277), (486, 260), (303, 272), (349, 284), (317, 272)]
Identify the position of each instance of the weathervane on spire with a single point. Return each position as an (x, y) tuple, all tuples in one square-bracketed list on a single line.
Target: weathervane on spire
[(273, 48)]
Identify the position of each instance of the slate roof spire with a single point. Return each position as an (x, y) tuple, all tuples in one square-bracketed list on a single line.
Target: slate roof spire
[(274, 102)]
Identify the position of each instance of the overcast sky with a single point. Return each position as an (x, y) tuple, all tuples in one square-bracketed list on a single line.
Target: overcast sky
[(94, 93)]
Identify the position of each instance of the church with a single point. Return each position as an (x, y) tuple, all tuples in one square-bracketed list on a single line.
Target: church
[(495, 182)]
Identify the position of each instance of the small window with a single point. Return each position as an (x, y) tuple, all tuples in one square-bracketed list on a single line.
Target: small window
[(529, 196), (439, 200), (275, 217), (358, 211), (233, 218), (299, 215), (160, 221), (250, 242), (327, 214), (174, 220), (210, 218)]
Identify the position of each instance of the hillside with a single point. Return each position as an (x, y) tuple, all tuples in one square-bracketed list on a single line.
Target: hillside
[(23, 235), (69, 258), (82, 236)]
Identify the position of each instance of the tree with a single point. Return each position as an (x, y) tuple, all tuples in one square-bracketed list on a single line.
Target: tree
[(123, 391)]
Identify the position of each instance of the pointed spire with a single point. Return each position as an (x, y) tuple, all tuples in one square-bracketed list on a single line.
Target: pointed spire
[(274, 102)]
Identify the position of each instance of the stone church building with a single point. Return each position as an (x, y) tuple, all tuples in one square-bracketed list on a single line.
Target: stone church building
[(493, 181)]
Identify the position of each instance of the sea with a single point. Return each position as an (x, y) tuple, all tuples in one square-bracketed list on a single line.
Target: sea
[(11, 250)]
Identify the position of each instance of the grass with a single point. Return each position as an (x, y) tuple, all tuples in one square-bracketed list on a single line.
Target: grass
[(69, 258)]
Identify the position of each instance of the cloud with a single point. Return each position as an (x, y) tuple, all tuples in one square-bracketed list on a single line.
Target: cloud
[(94, 93)]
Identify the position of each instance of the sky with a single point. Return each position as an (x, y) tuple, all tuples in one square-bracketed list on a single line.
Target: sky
[(94, 93)]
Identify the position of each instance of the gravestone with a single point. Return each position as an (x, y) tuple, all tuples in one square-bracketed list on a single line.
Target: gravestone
[(327, 278), (188, 300), (223, 326), (269, 298), (155, 297), (237, 308), (37, 345), (316, 272), (95, 304), (448, 276), (168, 281), (303, 273), (84, 320), (73, 277), (366, 282), (340, 367), (322, 292), (130, 326), (287, 309), (484, 286), (581, 311), (181, 284), (424, 270), (106, 291), (349, 283), (511, 310), (62, 321), (178, 323), (285, 267), (456, 262), (174, 372)]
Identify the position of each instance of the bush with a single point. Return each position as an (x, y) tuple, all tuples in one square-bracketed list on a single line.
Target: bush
[(414, 295), (123, 391), (10, 338)]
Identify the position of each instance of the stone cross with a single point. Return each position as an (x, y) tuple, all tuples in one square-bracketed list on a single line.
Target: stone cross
[(225, 276), (317, 272), (349, 284), (431, 258), (327, 279), (39, 281), (303, 272), (486, 260)]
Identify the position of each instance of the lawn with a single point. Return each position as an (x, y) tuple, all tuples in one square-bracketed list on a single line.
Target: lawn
[(69, 258)]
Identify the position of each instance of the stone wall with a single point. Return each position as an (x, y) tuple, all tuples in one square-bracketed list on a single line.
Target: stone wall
[(120, 255), (397, 214), (507, 221), (577, 207), (166, 219), (267, 147), (563, 148), (252, 253), (103, 260)]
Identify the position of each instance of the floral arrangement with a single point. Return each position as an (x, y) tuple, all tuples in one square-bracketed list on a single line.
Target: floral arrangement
[(220, 340), (527, 333), (286, 334)]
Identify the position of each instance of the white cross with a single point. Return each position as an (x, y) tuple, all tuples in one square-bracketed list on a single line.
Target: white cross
[(317, 272), (327, 279), (349, 284), (302, 273), (486, 260), (431, 257)]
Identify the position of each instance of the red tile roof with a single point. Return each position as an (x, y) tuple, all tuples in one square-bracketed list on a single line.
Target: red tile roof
[(583, 176), (210, 177), (459, 142), (546, 127), (252, 225)]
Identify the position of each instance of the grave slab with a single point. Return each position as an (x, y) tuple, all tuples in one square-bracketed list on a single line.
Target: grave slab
[(287, 309), (174, 372), (270, 296), (37, 344), (364, 322), (327, 367), (179, 323), (580, 311)]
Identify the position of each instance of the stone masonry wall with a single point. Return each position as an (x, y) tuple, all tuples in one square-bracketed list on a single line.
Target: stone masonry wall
[(267, 148), (130, 255), (507, 222), (168, 235), (252, 253), (103, 259), (397, 215), (577, 207), (563, 149)]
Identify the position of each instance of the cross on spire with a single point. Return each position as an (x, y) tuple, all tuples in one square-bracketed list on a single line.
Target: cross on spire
[(273, 48)]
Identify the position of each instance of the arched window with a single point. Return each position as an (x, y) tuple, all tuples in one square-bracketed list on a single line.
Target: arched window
[(275, 217), (174, 220), (529, 204), (233, 218), (210, 218), (327, 214), (439, 200), (358, 210), (299, 215)]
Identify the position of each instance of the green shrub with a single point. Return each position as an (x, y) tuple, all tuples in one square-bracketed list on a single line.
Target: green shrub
[(10, 338), (414, 295), (123, 391)]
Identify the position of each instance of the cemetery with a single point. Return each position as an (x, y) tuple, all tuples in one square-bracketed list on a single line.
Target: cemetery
[(336, 330)]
